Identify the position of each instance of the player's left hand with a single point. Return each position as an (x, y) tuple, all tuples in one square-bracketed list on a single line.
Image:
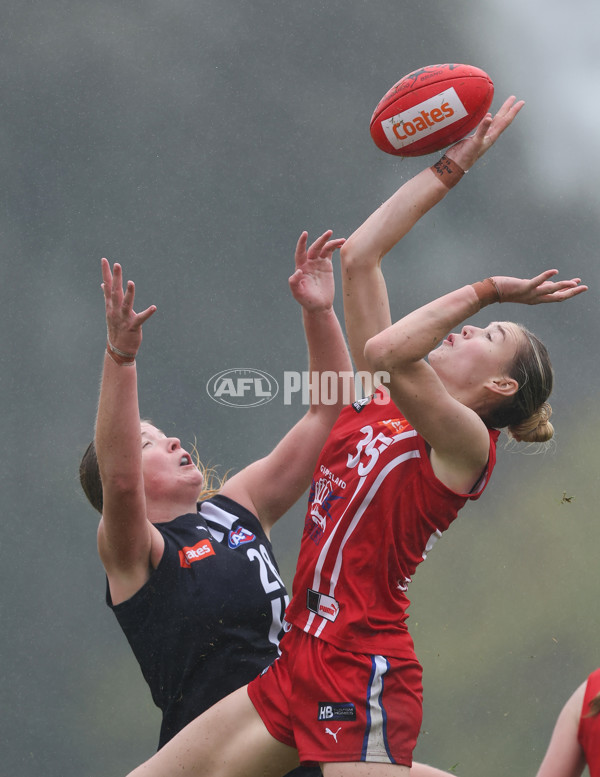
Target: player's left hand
[(536, 290), (467, 151), (312, 283), (123, 324)]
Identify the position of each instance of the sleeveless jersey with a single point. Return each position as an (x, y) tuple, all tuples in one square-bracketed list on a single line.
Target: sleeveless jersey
[(589, 727), (209, 618), (375, 510)]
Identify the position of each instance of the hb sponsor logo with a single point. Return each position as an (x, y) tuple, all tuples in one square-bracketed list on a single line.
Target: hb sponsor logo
[(201, 550), (423, 119), (336, 710), (239, 537)]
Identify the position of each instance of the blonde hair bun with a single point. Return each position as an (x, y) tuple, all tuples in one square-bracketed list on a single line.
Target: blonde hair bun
[(536, 428)]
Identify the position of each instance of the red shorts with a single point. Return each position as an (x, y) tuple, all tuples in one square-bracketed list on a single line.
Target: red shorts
[(332, 705)]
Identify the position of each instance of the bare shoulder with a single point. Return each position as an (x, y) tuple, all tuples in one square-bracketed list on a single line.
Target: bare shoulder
[(574, 706), (128, 572)]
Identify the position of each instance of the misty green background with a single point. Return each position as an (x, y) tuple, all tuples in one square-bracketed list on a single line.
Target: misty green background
[(193, 140)]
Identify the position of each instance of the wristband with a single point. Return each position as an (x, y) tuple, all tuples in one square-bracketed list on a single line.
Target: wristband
[(448, 171), (119, 357), (487, 292)]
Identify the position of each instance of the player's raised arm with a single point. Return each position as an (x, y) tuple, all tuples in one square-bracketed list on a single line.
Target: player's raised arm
[(366, 305), (125, 535), (270, 486)]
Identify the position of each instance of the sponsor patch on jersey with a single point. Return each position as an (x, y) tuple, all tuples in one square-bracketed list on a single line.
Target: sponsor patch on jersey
[(239, 537), (336, 710), (394, 425), (321, 604), (360, 403), (199, 551)]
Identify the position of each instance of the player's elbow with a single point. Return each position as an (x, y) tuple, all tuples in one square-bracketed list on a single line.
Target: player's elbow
[(379, 355), (121, 485), (354, 257)]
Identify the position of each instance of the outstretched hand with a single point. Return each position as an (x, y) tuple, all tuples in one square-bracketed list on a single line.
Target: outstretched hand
[(467, 151), (536, 290), (312, 284), (123, 324)]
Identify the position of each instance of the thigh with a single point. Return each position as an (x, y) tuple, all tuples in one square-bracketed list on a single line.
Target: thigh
[(362, 769), (228, 740)]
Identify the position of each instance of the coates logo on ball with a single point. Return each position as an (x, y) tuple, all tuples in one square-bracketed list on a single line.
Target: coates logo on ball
[(430, 109), (423, 119)]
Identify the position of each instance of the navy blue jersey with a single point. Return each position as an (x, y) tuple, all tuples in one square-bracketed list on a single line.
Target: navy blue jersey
[(209, 618)]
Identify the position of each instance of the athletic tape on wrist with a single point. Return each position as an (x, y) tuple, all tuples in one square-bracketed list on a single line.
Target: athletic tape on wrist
[(487, 292), (448, 171), (119, 357)]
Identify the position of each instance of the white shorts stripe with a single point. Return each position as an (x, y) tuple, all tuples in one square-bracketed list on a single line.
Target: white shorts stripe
[(375, 745)]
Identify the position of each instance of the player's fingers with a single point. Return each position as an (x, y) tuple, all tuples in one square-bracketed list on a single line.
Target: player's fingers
[(106, 279), (559, 296), (506, 115), (116, 288), (332, 245), (576, 290), (518, 105), (542, 277), (129, 297), (506, 105), (301, 248), (142, 317), (566, 287), (105, 268), (483, 127), (319, 243)]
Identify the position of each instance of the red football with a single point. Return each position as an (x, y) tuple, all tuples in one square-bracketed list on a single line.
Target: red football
[(431, 108)]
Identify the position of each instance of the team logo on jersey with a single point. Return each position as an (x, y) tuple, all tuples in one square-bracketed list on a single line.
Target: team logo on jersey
[(321, 604), (322, 493), (336, 710), (239, 537), (201, 550), (320, 499)]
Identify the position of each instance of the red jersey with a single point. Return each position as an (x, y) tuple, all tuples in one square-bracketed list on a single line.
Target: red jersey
[(375, 510), (589, 727)]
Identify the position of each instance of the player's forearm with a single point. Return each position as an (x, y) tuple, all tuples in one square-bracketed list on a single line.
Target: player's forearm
[(417, 334), (392, 221), (327, 352), (117, 437), (366, 304)]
